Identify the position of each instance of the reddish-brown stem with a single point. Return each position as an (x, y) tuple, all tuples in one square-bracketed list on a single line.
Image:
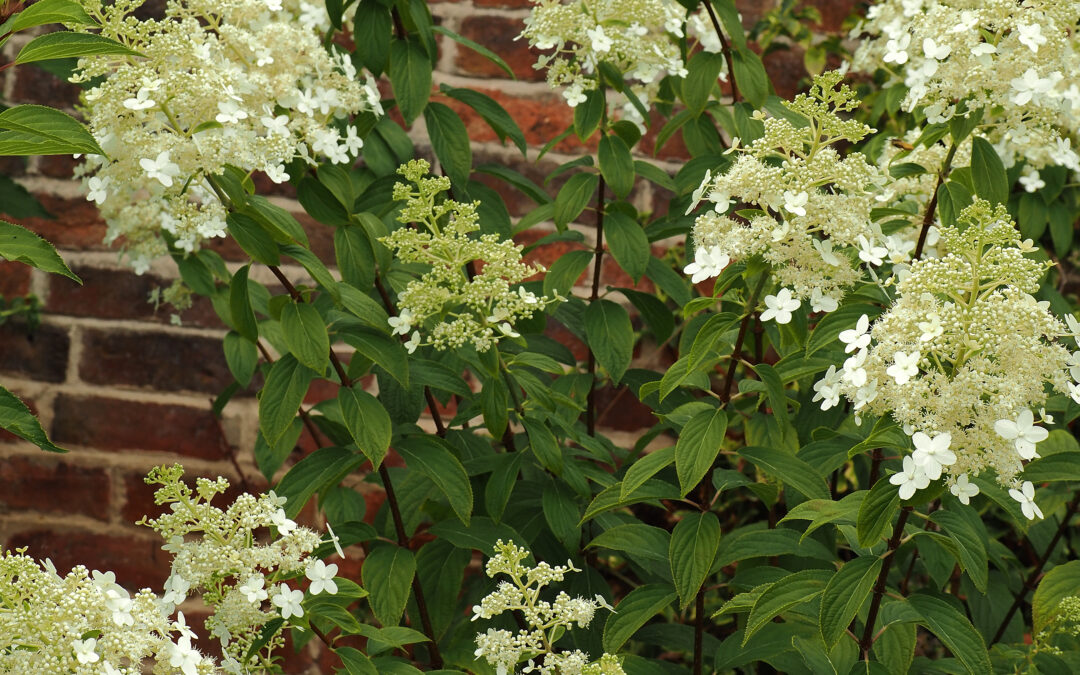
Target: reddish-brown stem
[(598, 257), (879, 587), (725, 48), (928, 217), (736, 351)]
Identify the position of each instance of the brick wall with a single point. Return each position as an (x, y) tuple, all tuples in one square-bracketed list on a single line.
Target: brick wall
[(124, 390)]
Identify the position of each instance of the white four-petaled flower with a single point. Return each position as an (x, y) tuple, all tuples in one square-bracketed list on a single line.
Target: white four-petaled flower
[(905, 366), (253, 590), (600, 43), (84, 650), (780, 306), (964, 490), (1026, 496), (931, 454), (795, 203), (708, 263), (858, 337), (1031, 36), (288, 601), (1022, 432), (161, 168), (910, 479), (321, 576)]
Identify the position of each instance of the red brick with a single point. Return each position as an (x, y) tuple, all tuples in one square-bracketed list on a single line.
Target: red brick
[(499, 34), (58, 166), (506, 4), (14, 279), (34, 85), (34, 482), (751, 11), (833, 13), (121, 294), (137, 560), (159, 361), (41, 355), (115, 424), (786, 70), (619, 408), (77, 225), (12, 166)]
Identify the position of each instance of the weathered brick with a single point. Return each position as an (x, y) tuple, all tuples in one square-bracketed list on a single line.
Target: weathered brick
[(159, 361), (137, 560), (34, 85), (499, 34), (33, 483), (833, 13), (505, 4), (121, 294), (116, 424), (58, 166), (77, 224), (14, 279), (619, 408), (786, 70), (41, 355)]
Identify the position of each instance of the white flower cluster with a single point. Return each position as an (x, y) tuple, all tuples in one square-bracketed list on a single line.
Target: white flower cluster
[(220, 555), (638, 37), (85, 623), (1017, 58), (545, 621), (961, 359), (241, 83), (812, 218), (452, 307)]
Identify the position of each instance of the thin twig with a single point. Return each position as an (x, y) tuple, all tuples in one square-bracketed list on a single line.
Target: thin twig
[(928, 217), (598, 253), (751, 303), (725, 48)]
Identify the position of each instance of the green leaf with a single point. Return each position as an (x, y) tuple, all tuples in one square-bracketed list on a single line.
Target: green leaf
[(21, 245), (636, 539), (965, 527), (363, 307), (698, 445), (282, 395), (573, 197), (750, 76), (589, 113), (544, 445), (845, 594), (1059, 583), (788, 592), (17, 419), (305, 335), (410, 76), (431, 456), (314, 267), (953, 198), (616, 164), (480, 535), (824, 511), (387, 352), (39, 130), (243, 316), (988, 173), (954, 630), (561, 514), (517, 180), (494, 114), (565, 271), (373, 28), (610, 336), (729, 17), (789, 469), (693, 546), (639, 605), (450, 141), (774, 388), (388, 574), (367, 421), (319, 471), (46, 12), (476, 47), (253, 238), (876, 512), (355, 661), (703, 70), (628, 244), (743, 544), (644, 469), (501, 484), (241, 356), (828, 329), (64, 45), (1064, 466)]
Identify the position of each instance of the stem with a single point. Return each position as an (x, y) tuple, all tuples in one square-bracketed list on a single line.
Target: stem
[(875, 466), (403, 541), (928, 217), (729, 378), (879, 587), (725, 48), (304, 416), (598, 256), (1034, 576)]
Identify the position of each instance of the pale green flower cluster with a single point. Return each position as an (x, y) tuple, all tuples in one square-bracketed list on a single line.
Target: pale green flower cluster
[(812, 218), (1065, 622), (962, 358), (638, 37), (242, 83), (1016, 58), (449, 306), (86, 624), (224, 556), (544, 621)]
